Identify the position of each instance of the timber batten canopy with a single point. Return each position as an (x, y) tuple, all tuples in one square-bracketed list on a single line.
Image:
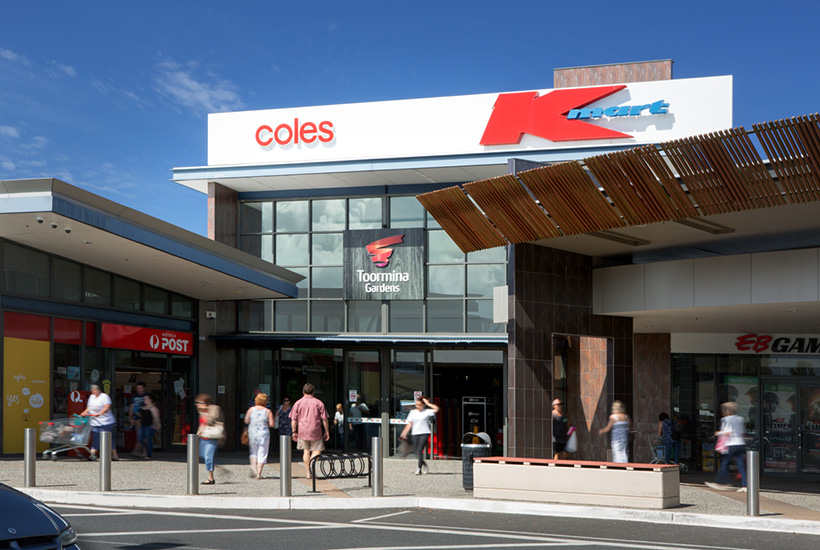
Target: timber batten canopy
[(716, 173)]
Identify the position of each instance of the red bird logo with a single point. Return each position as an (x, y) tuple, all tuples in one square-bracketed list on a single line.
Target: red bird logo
[(379, 252)]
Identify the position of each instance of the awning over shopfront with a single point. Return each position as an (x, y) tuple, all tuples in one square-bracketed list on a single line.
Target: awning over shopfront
[(623, 197), (55, 217)]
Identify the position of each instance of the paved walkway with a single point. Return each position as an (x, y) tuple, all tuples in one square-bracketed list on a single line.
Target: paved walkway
[(787, 505)]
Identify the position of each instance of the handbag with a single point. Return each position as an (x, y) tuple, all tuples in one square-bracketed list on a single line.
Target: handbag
[(572, 442), (213, 431), (244, 439), (721, 445), (276, 419)]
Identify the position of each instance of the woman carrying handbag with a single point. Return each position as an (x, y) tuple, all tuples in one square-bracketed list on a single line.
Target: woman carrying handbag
[(211, 432)]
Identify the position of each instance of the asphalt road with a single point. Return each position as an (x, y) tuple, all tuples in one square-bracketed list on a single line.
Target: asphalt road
[(107, 528)]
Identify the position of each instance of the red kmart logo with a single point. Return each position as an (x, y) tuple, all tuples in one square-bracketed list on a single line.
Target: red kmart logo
[(559, 115)]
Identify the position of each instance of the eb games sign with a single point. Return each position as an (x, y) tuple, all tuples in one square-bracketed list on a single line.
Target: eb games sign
[(769, 344)]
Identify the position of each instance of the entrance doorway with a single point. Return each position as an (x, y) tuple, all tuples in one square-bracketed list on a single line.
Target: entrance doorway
[(790, 421), (125, 382)]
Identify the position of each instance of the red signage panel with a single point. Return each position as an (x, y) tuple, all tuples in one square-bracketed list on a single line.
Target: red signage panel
[(147, 339)]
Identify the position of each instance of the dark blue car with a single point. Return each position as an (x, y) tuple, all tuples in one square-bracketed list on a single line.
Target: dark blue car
[(28, 523)]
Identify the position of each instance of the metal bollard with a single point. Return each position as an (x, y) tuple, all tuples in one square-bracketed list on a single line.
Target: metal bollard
[(30, 457), (385, 434), (752, 483), (285, 476), (378, 471), (193, 464), (105, 461)]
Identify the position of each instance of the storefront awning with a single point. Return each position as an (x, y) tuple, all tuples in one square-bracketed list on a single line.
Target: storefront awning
[(55, 217)]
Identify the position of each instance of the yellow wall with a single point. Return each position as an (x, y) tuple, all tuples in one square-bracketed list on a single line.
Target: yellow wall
[(27, 399)]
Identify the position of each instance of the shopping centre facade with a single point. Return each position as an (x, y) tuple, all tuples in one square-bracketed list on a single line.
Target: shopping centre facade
[(610, 238)]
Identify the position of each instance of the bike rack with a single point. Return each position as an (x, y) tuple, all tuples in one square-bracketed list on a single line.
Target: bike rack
[(341, 465)]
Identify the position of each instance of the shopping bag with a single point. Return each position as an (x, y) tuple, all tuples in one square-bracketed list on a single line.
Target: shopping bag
[(721, 445), (572, 442)]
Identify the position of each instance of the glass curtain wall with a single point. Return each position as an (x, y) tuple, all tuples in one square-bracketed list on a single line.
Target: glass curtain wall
[(306, 236)]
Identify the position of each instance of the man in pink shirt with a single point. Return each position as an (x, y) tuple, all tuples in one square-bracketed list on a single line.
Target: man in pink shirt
[(307, 418)]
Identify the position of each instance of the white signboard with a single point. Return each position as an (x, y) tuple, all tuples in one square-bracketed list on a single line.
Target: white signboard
[(530, 120)]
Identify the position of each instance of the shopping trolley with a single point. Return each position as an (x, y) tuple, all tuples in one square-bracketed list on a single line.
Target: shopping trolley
[(658, 450), (69, 433), (659, 453)]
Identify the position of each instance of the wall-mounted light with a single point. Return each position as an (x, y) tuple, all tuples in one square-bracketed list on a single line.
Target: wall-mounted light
[(40, 219)]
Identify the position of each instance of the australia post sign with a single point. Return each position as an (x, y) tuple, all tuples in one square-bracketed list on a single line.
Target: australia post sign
[(147, 339), (530, 120), (384, 264)]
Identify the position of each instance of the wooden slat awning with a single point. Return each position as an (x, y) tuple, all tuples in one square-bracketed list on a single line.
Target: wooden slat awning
[(461, 219), (716, 173)]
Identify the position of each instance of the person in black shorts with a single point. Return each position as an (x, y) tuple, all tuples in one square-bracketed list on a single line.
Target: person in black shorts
[(560, 429)]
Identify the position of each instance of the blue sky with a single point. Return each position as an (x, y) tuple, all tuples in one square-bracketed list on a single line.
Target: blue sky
[(109, 96)]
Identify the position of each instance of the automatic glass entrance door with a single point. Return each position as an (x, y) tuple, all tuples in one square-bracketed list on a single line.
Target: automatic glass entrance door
[(790, 420)]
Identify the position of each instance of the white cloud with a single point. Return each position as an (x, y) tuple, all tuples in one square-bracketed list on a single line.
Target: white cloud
[(37, 142), (7, 165), (57, 70), (202, 93), (9, 131), (13, 56)]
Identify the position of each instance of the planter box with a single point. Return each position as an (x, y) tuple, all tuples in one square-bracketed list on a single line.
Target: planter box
[(577, 482)]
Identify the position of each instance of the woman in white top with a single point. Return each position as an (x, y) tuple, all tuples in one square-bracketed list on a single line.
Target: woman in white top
[(101, 420), (732, 427), (259, 419), (418, 426), (619, 426)]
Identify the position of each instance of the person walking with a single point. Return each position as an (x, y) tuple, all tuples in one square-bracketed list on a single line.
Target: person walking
[(666, 431), (418, 426), (619, 426), (134, 412), (211, 432), (560, 431), (101, 419), (732, 445), (259, 419), (282, 420), (309, 422), (149, 425), (339, 425)]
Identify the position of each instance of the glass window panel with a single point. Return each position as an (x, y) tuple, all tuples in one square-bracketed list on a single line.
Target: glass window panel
[(290, 316), (326, 282), (327, 249), (156, 300), (182, 306), (431, 222), (303, 285), (445, 316), (291, 216), (406, 212), (490, 255), (482, 278), (327, 316), (256, 217), (406, 316), (480, 317), (329, 215), (365, 213), (442, 249), (68, 280), (445, 281), (97, 287), (26, 271), (260, 246), (364, 316), (127, 294), (292, 250), (256, 315)]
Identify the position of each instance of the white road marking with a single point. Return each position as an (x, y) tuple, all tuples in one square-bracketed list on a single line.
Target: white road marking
[(380, 517), (527, 539)]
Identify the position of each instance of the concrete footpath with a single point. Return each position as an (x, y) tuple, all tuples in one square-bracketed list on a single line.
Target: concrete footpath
[(785, 505)]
